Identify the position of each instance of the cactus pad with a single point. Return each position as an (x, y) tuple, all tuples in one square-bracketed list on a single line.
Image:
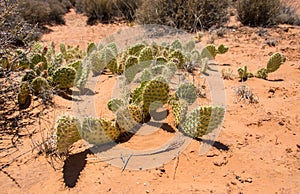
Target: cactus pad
[(146, 56), (99, 131), (64, 77), (222, 49), (114, 104), (127, 117), (67, 132), (39, 85), (274, 62), (209, 51), (262, 73), (24, 94), (179, 108), (188, 92), (155, 93), (202, 120), (179, 56)]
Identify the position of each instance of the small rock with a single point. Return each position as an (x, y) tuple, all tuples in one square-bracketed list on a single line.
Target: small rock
[(248, 180), (147, 191), (145, 184), (233, 183)]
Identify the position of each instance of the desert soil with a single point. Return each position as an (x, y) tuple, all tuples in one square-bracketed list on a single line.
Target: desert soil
[(257, 151)]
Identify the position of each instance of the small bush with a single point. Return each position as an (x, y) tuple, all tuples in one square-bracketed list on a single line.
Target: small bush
[(288, 12), (258, 12), (107, 10), (189, 14), (44, 12)]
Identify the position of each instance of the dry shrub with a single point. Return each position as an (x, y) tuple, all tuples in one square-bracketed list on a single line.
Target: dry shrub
[(184, 14), (289, 12), (44, 12), (107, 11)]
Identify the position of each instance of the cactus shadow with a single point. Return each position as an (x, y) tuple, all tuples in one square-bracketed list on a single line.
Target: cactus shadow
[(163, 126), (73, 166), (216, 144), (276, 80)]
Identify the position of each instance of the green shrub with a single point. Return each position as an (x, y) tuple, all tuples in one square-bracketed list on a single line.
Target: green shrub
[(288, 12), (189, 14), (258, 12)]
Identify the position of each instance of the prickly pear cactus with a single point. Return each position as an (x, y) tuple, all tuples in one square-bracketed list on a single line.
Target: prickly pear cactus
[(155, 94), (176, 45), (136, 112), (146, 56), (179, 56), (161, 60), (202, 120), (127, 118), (37, 58), (39, 85), (91, 48), (82, 78), (99, 131), (222, 49), (274, 62), (188, 92), (169, 70), (262, 73), (130, 67), (179, 109), (29, 76), (64, 77), (24, 94), (136, 95), (209, 51), (97, 65), (204, 63), (136, 49), (146, 75), (189, 46), (67, 132), (114, 104)]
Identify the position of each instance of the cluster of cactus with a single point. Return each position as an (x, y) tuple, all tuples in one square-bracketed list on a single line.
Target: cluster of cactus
[(24, 94), (275, 61), (46, 70), (137, 58), (156, 65)]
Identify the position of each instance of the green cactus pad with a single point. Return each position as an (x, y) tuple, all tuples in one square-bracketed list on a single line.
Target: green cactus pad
[(222, 49), (127, 118), (39, 85), (274, 62), (176, 45), (262, 73), (99, 131), (24, 94), (136, 96), (155, 94), (91, 48), (161, 60), (136, 49), (67, 132), (97, 63), (146, 75), (189, 46), (209, 51), (29, 76), (202, 120), (37, 58), (130, 67), (179, 56), (188, 92), (146, 56), (179, 108), (64, 77), (114, 104)]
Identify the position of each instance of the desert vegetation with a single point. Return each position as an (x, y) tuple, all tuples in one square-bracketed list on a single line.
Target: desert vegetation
[(247, 49)]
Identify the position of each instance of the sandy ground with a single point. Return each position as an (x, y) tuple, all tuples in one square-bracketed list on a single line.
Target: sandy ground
[(256, 152)]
